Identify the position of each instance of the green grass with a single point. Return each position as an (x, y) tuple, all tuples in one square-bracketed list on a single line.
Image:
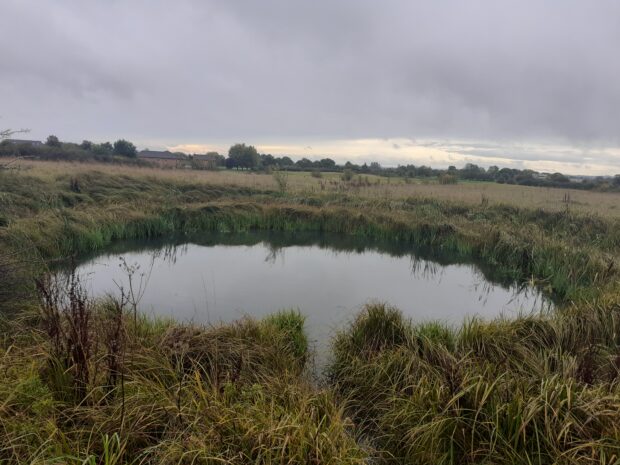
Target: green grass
[(231, 393), (536, 389), (521, 391)]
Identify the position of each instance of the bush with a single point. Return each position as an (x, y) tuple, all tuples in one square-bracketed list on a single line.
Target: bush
[(281, 179), (125, 148), (446, 178)]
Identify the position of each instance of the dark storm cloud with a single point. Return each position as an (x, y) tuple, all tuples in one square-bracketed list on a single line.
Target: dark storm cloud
[(244, 70)]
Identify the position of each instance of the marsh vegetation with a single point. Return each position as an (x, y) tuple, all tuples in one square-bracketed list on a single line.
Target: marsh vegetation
[(86, 380)]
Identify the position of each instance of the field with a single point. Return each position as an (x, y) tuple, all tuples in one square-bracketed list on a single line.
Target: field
[(362, 186), (93, 382)]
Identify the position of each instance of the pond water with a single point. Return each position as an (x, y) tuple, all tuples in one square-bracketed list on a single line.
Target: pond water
[(223, 277)]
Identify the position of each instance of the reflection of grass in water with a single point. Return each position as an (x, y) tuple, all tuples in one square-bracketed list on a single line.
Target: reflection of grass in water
[(425, 263), (276, 245)]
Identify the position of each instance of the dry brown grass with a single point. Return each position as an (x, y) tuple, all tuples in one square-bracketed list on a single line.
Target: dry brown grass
[(364, 186)]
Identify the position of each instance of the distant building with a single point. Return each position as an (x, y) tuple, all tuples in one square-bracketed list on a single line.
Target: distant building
[(168, 159), (207, 161), (32, 143)]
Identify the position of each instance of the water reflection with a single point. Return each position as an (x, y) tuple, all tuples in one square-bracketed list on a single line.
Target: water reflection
[(221, 277)]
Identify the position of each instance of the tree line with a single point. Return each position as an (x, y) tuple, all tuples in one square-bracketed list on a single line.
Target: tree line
[(246, 157), (54, 149)]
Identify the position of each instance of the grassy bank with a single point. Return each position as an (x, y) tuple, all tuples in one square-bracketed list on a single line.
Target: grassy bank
[(532, 390), (539, 389), (567, 253), (168, 394)]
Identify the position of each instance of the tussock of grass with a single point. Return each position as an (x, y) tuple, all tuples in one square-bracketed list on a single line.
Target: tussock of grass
[(232, 393), (530, 390)]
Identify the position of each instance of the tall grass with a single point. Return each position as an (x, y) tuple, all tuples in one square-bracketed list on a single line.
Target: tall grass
[(227, 394), (530, 390), (534, 389), (565, 268)]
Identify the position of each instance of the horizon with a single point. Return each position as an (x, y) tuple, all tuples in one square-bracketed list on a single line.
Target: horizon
[(192, 149), (522, 84)]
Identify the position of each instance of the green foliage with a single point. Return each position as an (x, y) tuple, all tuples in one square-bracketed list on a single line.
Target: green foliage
[(376, 328), (445, 178), (103, 149), (532, 389), (242, 156), (289, 325), (281, 179), (497, 392), (124, 148), (52, 141), (233, 394), (86, 145)]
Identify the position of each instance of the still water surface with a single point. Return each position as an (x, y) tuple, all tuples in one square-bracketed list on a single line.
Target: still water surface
[(220, 278)]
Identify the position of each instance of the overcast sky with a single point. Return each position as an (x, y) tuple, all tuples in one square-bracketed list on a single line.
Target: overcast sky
[(527, 83)]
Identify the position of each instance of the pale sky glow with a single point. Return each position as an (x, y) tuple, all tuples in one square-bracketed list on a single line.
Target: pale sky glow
[(393, 152), (523, 83)]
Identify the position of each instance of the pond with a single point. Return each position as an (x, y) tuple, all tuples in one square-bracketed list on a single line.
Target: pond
[(222, 277)]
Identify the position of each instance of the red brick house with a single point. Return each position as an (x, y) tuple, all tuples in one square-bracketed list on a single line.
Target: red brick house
[(165, 159)]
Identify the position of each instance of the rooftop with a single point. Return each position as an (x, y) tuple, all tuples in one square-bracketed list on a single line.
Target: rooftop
[(24, 141), (153, 154)]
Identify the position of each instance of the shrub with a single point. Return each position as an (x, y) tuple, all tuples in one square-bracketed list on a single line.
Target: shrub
[(347, 175), (281, 179), (446, 178)]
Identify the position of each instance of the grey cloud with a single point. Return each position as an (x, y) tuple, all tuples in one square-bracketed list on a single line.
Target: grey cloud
[(196, 71)]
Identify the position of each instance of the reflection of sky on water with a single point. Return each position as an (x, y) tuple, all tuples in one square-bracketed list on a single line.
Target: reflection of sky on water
[(213, 283)]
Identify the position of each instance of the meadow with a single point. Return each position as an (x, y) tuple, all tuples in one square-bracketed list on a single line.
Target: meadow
[(362, 186), (91, 381)]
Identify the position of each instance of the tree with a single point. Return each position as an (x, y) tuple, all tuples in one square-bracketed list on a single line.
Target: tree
[(86, 145), (304, 163), (218, 159), (242, 156), (327, 163), (268, 160), (558, 178), (124, 148), (285, 161), (4, 135), (102, 149), (52, 141)]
